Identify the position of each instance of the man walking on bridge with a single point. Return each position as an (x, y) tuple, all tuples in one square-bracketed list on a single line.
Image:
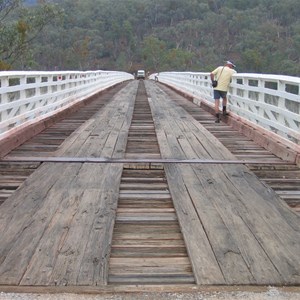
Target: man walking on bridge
[(221, 78)]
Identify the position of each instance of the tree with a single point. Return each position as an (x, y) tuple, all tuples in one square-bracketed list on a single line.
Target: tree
[(19, 26), (154, 51), (156, 35), (178, 59)]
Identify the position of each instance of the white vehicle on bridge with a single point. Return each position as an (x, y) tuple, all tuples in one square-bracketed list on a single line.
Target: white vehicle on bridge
[(140, 74)]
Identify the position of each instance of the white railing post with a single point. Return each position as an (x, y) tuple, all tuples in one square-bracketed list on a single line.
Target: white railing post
[(281, 100), (3, 97)]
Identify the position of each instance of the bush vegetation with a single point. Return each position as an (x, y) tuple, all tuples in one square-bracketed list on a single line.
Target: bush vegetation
[(261, 36)]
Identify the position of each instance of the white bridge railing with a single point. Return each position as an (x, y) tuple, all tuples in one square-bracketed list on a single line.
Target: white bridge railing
[(26, 97), (270, 101)]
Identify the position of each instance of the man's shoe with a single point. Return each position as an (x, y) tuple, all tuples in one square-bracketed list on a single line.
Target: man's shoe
[(225, 113), (217, 121)]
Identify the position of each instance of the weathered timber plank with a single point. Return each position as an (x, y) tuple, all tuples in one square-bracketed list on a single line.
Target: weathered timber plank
[(227, 253), (25, 217), (143, 192), (240, 250), (125, 186), (62, 248), (145, 210), (272, 199), (276, 226), (143, 180), (147, 236), (147, 196), (154, 279), (150, 229), (153, 264), (151, 203), (146, 218), (98, 135), (91, 268), (143, 251), (176, 243), (77, 137), (55, 243)]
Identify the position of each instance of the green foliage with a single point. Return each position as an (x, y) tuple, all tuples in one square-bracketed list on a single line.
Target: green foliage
[(178, 59), (19, 26), (154, 53), (156, 35)]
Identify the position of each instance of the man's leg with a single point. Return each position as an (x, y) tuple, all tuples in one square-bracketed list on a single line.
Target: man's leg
[(217, 103), (224, 106)]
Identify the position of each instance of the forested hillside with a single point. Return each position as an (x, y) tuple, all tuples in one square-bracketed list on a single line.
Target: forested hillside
[(259, 36)]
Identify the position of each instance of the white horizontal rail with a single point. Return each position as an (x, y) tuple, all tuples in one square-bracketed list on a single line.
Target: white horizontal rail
[(27, 97), (269, 101)]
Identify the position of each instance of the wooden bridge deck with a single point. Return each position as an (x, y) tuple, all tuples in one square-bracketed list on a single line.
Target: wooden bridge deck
[(57, 228)]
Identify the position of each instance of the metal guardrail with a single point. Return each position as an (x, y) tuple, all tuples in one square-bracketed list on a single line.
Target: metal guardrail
[(27, 97), (269, 101)]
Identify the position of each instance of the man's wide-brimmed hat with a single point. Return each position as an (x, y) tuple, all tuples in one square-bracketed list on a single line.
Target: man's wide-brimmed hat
[(228, 62)]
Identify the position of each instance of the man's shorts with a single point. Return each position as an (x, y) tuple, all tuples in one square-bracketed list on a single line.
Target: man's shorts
[(219, 94)]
